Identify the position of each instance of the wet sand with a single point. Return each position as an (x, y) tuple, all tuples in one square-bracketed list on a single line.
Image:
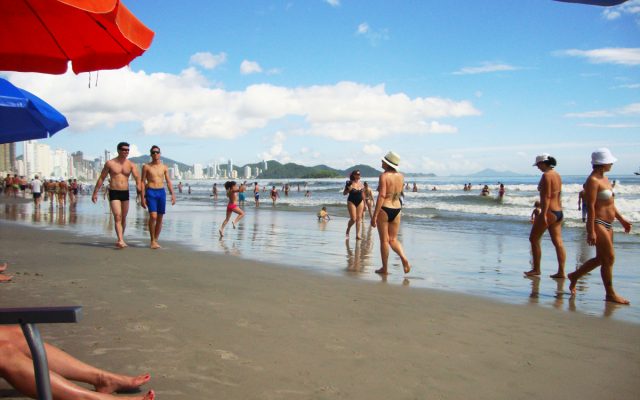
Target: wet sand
[(215, 326)]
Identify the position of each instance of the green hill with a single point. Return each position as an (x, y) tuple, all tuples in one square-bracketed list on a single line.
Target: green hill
[(140, 160), (276, 170)]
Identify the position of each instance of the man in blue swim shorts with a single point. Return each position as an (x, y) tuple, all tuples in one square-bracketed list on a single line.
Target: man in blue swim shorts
[(154, 197)]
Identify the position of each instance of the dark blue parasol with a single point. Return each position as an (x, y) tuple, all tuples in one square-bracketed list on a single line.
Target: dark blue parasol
[(24, 116)]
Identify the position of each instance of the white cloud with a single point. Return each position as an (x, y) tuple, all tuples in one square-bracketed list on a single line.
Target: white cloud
[(186, 105), (611, 126), (333, 3), (362, 28), (134, 151), (451, 166), (484, 68), (276, 151), (371, 149), (374, 36), (610, 55), (631, 8), (590, 114), (250, 67), (631, 109), (208, 60), (629, 86)]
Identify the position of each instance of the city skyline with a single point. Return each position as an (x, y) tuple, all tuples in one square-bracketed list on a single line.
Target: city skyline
[(453, 87)]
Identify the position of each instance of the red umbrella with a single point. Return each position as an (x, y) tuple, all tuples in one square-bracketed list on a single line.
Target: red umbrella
[(44, 35)]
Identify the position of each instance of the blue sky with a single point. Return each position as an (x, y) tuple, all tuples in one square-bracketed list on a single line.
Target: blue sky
[(453, 86)]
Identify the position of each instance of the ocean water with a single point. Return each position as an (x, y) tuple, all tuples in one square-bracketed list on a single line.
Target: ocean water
[(456, 241)]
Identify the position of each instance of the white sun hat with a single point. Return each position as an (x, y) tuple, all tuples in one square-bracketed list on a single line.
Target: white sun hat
[(602, 156)]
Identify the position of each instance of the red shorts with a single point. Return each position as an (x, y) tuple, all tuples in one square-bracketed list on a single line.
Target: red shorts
[(231, 206)]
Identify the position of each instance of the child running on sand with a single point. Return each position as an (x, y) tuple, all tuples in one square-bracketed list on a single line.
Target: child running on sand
[(232, 206)]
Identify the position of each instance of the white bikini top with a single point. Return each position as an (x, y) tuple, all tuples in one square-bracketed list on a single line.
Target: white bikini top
[(605, 194)]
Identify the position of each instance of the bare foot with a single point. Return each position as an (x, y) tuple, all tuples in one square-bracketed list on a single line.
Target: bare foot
[(234, 224), (121, 245), (617, 299), (5, 278), (559, 275), (381, 271), (3, 267), (573, 281), (220, 232), (155, 245), (533, 272), (110, 383), (406, 266)]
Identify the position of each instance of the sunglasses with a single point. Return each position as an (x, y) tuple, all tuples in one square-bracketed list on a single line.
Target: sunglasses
[(155, 152), (123, 149)]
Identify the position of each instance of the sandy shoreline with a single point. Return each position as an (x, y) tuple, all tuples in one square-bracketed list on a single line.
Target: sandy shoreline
[(213, 326)]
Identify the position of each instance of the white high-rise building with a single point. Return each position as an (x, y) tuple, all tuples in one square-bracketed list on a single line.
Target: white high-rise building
[(247, 172), (29, 157), (234, 174), (230, 168), (177, 171), (197, 171), (264, 162), (43, 160), (107, 155), (61, 163), (256, 172)]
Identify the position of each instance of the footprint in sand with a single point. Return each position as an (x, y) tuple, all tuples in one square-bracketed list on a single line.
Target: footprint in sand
[(161, 306), (227, 355)]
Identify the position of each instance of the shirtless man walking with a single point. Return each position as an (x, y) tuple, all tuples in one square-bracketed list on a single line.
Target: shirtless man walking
[(154, 198), (119, 169)]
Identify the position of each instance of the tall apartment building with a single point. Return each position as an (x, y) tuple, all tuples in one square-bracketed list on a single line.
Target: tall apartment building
[(8, 157)]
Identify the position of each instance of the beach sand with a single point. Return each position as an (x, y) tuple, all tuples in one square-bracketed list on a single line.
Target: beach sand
[(212, 326)]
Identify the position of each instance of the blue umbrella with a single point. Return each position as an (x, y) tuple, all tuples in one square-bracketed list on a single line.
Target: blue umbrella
[(24, 116)]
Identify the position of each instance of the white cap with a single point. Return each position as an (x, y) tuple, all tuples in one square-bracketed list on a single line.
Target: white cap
[(602, 156), (541, 158)]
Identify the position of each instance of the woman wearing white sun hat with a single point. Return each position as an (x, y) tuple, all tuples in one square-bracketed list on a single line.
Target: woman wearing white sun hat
[(387, 212), (601, 213), (550, 217)]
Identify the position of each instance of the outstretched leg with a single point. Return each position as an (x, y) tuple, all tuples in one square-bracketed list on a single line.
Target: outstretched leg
[(537, 230), (17, 369), (383, 232), (396, 246), (226, 221), (555, 231), (352, 218), (240, 213)]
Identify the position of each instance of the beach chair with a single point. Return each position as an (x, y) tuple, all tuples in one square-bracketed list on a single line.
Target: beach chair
[(27, 318)]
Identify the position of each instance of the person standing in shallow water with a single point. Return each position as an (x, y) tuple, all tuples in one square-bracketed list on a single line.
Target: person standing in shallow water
[(232, 206), (154, 197), (355, 202), (119, 170), (550, 218), (599, 200), (386, 216)]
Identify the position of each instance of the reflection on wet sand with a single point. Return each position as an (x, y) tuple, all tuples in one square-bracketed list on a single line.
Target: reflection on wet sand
[(359, 258)]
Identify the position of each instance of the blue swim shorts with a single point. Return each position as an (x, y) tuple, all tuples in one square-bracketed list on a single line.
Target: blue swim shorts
[(156, 200), (241, 196)]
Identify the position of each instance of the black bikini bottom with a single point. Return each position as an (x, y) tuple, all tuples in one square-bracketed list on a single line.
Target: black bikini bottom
[(392, 213)]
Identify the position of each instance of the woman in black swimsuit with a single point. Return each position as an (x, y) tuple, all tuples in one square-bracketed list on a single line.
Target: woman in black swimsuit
[(355, 203), (387, 212)]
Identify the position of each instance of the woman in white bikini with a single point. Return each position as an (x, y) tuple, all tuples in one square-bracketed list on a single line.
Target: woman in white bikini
[(599, 200)]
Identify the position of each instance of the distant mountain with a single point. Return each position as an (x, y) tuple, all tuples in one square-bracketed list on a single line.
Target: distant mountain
[(492, 173), (140, 160)]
